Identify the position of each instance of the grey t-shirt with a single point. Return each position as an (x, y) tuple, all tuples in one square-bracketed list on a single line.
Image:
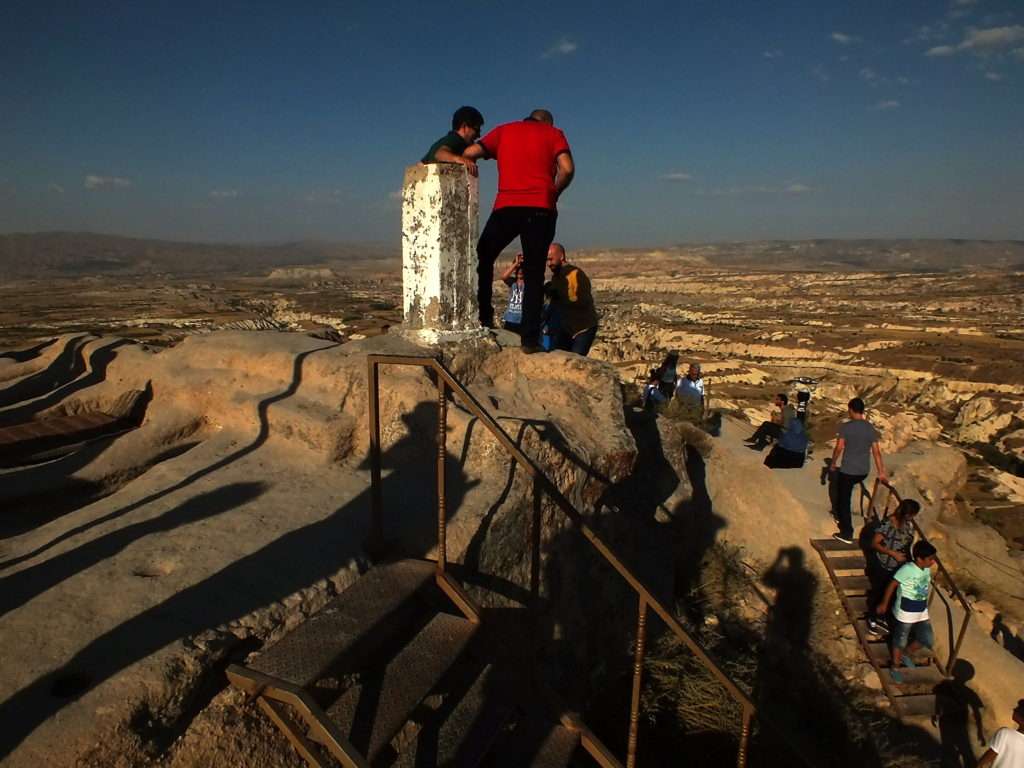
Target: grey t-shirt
[(859, 436)]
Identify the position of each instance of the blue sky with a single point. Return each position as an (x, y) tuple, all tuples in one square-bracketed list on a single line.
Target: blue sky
[(705, 120)]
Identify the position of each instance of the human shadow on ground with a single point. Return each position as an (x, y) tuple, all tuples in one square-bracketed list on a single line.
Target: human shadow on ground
[(30, 353), (1005, 637), (99, 360), (67, 366), (957, 707), (292, 562)]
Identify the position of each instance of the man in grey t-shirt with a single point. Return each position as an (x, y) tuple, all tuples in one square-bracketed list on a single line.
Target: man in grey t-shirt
[(856, 444)]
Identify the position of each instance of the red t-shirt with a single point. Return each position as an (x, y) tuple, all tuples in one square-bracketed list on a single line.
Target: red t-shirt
[(526, 152)]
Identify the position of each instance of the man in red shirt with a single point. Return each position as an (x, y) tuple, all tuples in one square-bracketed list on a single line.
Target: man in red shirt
[(534, 167)]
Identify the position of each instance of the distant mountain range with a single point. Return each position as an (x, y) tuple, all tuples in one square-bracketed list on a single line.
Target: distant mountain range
[(885, 255), (79, 253), (75, 253)]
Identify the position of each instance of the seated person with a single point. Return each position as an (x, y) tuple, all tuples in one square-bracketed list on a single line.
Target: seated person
[(466, 125), (691, 386), (652, 396), (772, 430), (790, 449), (513, 278), (667, 375)]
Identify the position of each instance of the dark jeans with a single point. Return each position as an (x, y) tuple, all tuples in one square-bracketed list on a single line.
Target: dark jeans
[(578, 344), (844, 490), (768, 429), (879, 577), (780, 458), (535, 228)]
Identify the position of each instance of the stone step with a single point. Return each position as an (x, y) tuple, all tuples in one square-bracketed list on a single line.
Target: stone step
[(854, 585), (381, 604), (462, 735), (858, 603), (916, 680), (537, 744), (373, 710), (848, 563), (35, 441)]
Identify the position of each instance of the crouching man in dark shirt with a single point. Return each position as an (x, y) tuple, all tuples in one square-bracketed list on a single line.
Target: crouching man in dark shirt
[(466, 125), (569, 289)]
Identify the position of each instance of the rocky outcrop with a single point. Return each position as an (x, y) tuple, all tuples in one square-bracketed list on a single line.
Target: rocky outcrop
[(240, 506)]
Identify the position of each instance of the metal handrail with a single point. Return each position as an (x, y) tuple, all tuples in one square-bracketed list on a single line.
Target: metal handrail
[(964, 603), (646, 599)]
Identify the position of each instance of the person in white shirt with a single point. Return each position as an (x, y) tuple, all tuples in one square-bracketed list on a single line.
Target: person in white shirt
[(691, 386), (1006, 750)]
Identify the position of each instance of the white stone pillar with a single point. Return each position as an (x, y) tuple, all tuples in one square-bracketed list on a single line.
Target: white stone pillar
[(440, 223)]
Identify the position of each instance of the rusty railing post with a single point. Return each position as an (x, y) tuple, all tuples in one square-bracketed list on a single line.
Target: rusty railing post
[(638, 672), (741, 755), (376, 539), (442, 455)]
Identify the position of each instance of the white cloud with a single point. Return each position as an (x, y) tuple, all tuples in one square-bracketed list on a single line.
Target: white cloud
[(867, 73), (903, 80), (982, 42), (883, 106), (223, 194), (964, 3), (995, 77), (92, 181), (844, 39), (675, 176), (798, 189), (564, 47), (395, 194), (1019, 53), (54, 187), (772, 53), (820, 73)]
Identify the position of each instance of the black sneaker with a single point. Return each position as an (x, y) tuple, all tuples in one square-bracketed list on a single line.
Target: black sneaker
[(845, 538), (531, 349), (877, 628)]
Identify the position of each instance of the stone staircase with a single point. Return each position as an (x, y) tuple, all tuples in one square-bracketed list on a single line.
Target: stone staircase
[(392, 673)]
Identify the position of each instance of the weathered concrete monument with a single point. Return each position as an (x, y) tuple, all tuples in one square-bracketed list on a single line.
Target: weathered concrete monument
[(440, 222)]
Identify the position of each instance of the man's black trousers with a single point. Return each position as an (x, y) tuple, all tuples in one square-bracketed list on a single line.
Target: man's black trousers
[(535, 228), (846, 484)]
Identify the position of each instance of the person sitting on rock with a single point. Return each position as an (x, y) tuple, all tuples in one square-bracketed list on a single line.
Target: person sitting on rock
[(790, 450), (652, 396), (466, 125), (773, 429), (910, 584), (569, 291), (890, 548), (1006, 750), (513, 278), (667, 375), (691, 386)]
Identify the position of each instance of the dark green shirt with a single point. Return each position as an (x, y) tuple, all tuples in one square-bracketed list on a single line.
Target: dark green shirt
[(450, 140)]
